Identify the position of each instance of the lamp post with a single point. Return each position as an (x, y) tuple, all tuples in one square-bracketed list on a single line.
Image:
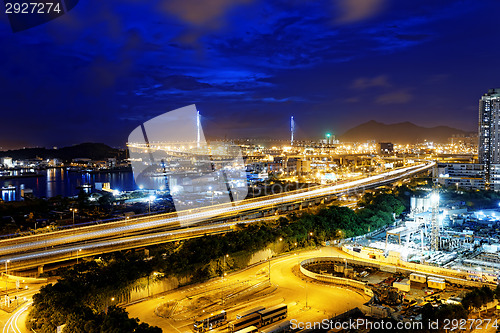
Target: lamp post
[(224, 274), (74, 210), (6, 262), (224, 266), (151, 198), (306, 294), (77, 255), (212, 195)]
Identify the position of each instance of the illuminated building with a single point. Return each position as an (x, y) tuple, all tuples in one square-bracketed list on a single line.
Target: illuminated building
[(468, 176), (386, 147), (489, 137)]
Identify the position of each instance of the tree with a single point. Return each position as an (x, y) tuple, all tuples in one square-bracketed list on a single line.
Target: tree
[(105, 201)]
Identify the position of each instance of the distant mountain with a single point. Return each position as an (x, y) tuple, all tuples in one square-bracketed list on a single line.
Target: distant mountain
[(95, 151), (402, 133)]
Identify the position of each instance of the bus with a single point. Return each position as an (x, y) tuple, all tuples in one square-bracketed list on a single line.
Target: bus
[(210, 321), (251, 329), (247, 321), (249, 312), (283, 327), (273, 314)]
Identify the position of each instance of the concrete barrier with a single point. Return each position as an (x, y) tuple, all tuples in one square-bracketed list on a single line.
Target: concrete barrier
[(343, 282), (28, 280)]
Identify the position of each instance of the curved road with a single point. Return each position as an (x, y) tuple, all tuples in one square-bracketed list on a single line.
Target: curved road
[(323, 300)]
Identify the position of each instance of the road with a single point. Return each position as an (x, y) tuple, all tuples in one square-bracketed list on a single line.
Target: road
[(15, 322), (32, 251), (323, 300), (80, 250)]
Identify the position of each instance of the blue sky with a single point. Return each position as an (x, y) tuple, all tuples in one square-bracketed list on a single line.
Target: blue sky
[(105, 67)]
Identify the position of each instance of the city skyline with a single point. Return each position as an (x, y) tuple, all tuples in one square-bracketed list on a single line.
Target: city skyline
[(94, 75), (235, 165)]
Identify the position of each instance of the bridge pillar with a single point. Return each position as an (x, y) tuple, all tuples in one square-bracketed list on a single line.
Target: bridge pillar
[(40, 269)]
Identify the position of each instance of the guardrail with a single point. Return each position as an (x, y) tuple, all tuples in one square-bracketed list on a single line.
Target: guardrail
[(343, 282)]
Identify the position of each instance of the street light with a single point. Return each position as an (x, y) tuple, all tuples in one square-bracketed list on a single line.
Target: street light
[(74, 210), (212, 195), (151, 198), (6, 262), (77, 255), (224, 266), (224, 274)]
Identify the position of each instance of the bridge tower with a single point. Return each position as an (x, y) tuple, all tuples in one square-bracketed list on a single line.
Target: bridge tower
[(198, 129)]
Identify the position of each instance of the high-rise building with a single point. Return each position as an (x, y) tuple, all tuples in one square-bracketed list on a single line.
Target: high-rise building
[(489, 137)]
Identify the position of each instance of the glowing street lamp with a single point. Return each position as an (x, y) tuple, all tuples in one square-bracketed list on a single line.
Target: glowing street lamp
[(74, 210), (212, 195), (224, 266), (151, 198), (6, 262)]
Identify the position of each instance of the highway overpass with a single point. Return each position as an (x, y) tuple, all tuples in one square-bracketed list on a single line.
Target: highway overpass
[(36, 250)]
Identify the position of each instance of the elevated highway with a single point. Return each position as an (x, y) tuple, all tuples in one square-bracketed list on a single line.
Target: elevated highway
[(35, 250)]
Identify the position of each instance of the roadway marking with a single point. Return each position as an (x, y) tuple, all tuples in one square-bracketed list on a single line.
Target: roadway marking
[(11, 324), (175, 328)]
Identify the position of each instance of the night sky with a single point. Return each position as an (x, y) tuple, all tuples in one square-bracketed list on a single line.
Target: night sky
[(105, 67)]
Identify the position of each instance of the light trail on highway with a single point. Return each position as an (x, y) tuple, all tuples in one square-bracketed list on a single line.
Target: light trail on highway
[(128, 231), (98, 247)]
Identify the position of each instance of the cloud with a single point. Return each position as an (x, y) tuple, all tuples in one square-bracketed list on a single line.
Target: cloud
[(352, 11), (365, 82), (352, 100), (395, 97), (199, 12)]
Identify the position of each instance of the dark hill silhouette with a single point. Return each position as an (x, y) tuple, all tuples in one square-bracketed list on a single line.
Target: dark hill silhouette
[(402, 133), (94, 151)]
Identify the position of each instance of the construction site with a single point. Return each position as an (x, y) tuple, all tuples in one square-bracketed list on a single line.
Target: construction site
[(440, 234)]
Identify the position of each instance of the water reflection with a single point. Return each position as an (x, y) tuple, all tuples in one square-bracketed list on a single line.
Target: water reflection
[(54, 182)]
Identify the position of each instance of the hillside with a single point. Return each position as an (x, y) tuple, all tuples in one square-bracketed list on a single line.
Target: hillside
[(95, 151), (402, 133)]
